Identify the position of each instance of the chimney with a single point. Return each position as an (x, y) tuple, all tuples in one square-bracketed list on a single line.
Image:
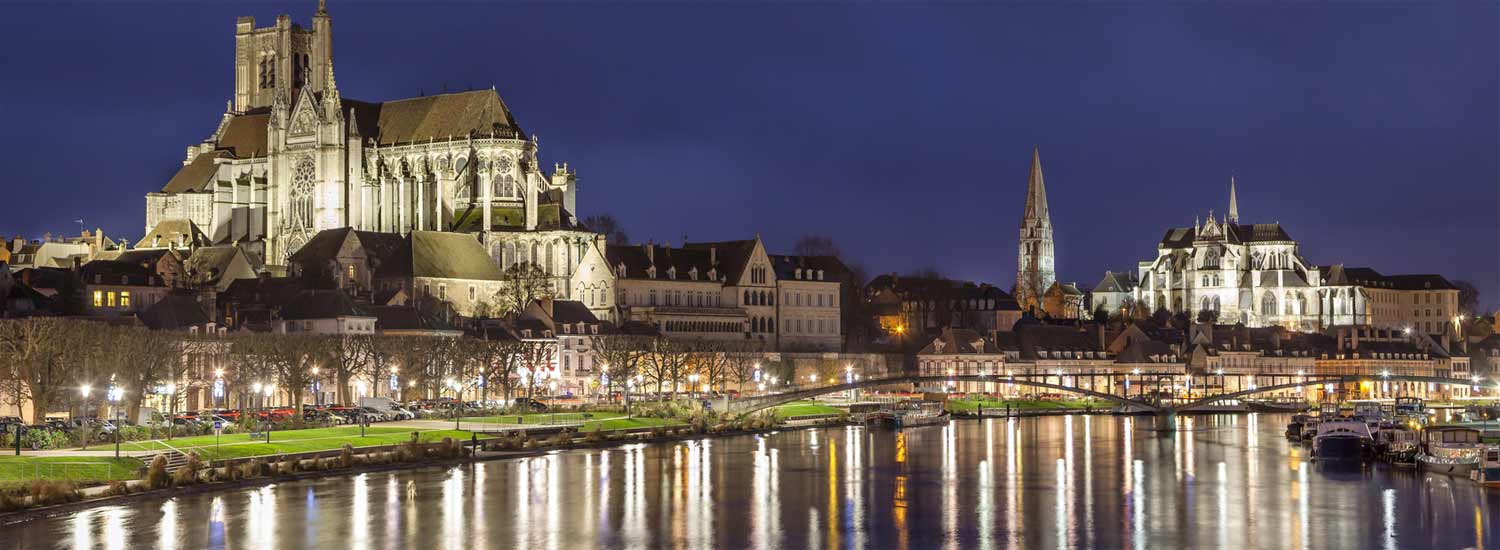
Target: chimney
[(650, 252), (1354, 338), (713, 255)]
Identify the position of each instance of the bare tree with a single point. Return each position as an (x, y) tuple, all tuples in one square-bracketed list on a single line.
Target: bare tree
[(535, 358), (523, 283), (348, 357), (607, 225), (33, 348), (621, 355), (667, 364), (496, 360), (147, 359), (380, 355), (742, 363), (816, 245), (711, 361)]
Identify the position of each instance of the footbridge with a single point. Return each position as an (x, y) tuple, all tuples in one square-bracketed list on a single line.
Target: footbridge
[(751, 404)]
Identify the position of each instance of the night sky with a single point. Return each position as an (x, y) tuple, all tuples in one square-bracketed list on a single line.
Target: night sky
[(904, 131)]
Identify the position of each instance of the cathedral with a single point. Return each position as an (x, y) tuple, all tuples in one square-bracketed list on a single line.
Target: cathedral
[(292, 156)]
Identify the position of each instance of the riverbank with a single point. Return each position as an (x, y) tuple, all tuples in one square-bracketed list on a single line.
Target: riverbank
[(241, 472)]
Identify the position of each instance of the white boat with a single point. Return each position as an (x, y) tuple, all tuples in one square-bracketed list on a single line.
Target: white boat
[(1451, 450), (1488, 472)]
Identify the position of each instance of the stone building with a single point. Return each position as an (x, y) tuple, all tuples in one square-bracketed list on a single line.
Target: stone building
[(1036, 267), (1255, 274), (292, 156)]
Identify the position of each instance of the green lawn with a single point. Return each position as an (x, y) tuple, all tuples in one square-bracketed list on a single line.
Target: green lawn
[(972, 405), (627, 423), (292, 441), (21, 469), (805, 408)]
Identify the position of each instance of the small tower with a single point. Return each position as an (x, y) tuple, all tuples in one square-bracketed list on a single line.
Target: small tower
[(1035, 265), (1234, 205)]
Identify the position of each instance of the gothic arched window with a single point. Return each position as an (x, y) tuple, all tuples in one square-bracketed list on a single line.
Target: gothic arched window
[(1268, 304), (303, 185)]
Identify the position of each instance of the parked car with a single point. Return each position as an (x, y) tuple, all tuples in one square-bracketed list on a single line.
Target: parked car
[(532, 404)]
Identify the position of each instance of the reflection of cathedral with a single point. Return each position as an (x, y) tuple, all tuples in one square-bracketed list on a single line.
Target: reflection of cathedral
[(291, 157)]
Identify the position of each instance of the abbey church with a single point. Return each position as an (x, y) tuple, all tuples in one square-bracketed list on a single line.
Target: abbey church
[(292, 156)]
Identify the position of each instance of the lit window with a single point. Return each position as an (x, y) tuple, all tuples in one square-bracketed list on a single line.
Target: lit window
[(125, 299), (110, 299), (98, 299)]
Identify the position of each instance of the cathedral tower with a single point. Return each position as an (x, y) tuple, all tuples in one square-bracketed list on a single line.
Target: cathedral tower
[(280, 58), (1035, 269)]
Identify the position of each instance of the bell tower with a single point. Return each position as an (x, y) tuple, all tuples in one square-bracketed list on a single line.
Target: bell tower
[(284, 58), (1035, 269)]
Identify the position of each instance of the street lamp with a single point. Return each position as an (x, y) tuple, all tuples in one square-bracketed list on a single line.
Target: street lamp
[(84, 391), (115, 394)]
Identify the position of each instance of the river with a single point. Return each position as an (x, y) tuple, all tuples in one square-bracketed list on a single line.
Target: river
[(1051, 482)]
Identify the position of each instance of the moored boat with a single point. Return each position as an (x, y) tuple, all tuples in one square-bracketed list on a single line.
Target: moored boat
[(1343, 440), (909, 414), (1451, 450), (1488, 472)]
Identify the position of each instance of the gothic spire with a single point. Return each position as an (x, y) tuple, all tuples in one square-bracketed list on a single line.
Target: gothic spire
[(1036, 192), (322, 7), (1234, 204)]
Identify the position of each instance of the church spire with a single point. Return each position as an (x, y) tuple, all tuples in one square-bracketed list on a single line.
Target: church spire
[(1234, 204), (1036, 192), (1035, 265), (322, 7)]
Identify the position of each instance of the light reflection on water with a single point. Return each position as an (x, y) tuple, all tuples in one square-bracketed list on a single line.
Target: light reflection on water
[(1056, 482)]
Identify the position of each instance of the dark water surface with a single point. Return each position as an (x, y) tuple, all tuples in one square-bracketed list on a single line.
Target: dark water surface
[(1056, 482)]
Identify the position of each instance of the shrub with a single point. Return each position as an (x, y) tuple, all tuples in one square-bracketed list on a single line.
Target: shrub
[(156, 474), (593, 438), (116, 488), (47, 439), (188, 474), (287, 467), (11, 502), (346, 456), (44, 493)]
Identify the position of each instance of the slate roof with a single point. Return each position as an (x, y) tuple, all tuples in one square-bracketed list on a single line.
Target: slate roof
[(443, 255), (734, 256), (269, 292), (175, 312), (1029, 340), (322, 304), (959, 341), (406, 318), (663, 258), (324, 246), (434, 117), (178, 230), (1421, 282), (1116, 282), (786, 266), (110, 272), (1183, 237)]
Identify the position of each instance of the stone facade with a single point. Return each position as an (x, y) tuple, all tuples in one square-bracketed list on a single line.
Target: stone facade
[(291, 157), (1036, 266)]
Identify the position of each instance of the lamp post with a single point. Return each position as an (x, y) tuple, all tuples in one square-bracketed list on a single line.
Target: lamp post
[(270, 423), (453, 385), (115, 394), (218, 392), (84, 391)]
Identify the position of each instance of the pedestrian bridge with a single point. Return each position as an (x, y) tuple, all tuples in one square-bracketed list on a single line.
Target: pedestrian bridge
[(1136, 404)]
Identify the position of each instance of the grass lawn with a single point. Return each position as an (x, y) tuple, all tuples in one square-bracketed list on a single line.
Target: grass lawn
[(627, 423), (22, 469), (972, 405), (292, 441), (805, 408)]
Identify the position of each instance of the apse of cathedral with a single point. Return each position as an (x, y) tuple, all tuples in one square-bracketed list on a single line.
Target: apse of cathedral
[(1243, 273), (292, 156)]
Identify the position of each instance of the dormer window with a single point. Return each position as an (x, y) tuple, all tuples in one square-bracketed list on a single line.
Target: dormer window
[(651, 272), (124, 280), (799, 273), (620, 270), (693, 274), (672, 273), (820, 274)]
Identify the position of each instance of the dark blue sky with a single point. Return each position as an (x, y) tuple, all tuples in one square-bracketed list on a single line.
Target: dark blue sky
[(904, 131)]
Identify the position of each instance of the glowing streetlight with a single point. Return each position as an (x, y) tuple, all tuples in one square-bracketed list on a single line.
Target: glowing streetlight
[(84, 390), (218, 373)]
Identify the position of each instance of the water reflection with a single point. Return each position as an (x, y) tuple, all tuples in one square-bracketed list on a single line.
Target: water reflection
[(996, 483)]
